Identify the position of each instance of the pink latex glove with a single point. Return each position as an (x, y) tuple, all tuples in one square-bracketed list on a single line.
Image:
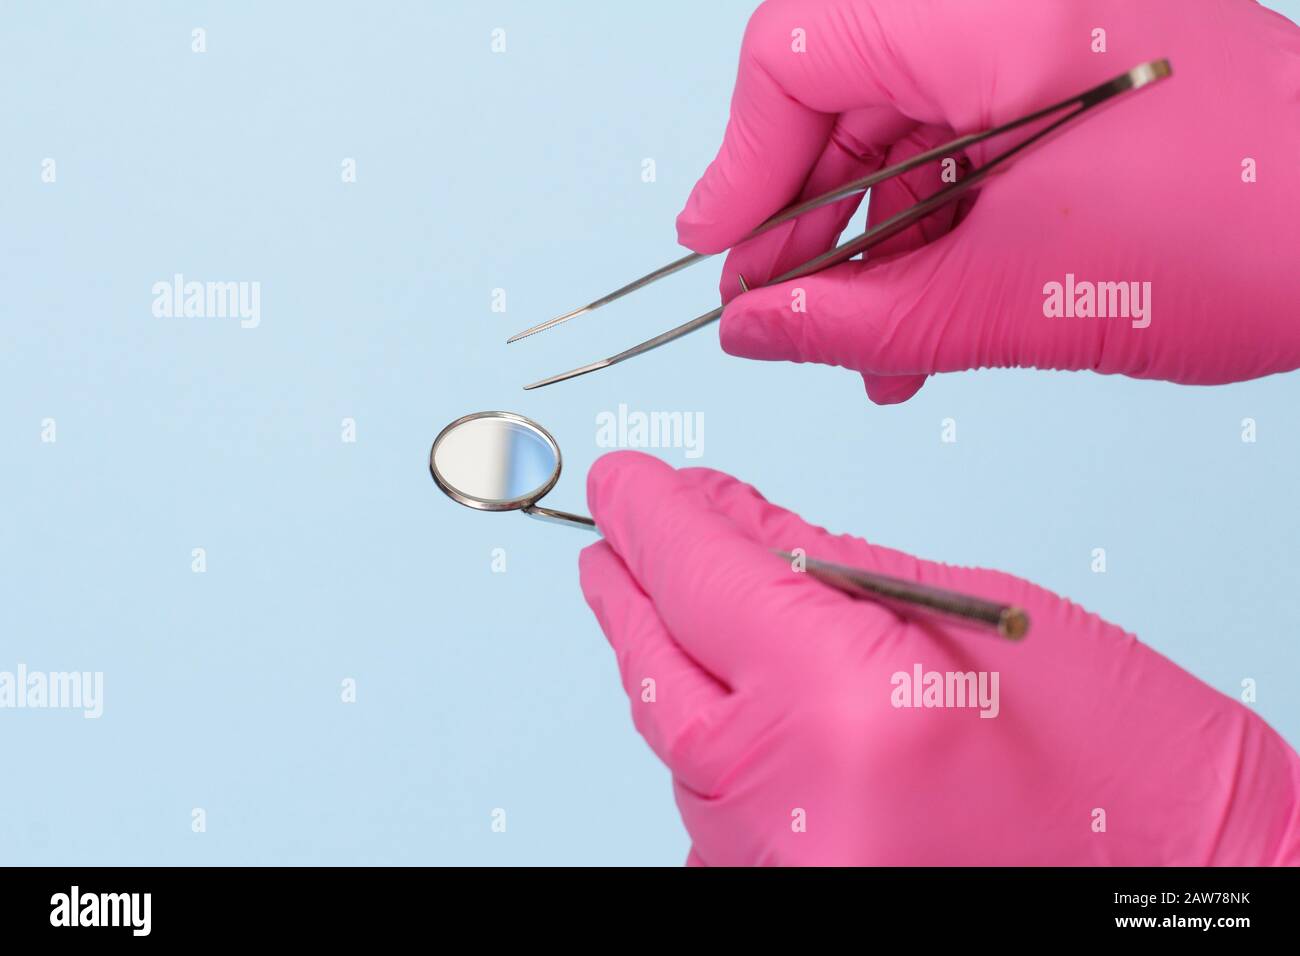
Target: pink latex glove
[(773, 696), (1146, 189)]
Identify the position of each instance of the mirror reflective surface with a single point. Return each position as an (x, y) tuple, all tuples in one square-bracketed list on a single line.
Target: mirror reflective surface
[(495, 461)]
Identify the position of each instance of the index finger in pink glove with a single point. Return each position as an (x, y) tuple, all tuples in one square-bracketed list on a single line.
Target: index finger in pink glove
[(698, 679), (804, 63), (697, 568)]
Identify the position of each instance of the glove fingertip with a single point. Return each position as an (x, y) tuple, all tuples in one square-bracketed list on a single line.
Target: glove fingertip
[(697, 230), (592, 560), (753, 328), (612, 479), (892, 389)]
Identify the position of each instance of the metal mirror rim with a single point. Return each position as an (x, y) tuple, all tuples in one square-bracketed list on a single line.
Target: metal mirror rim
[(496, 504)]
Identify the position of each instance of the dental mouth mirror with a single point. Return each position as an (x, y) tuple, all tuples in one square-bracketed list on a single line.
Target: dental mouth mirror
[(500, 461), (1140, 76)]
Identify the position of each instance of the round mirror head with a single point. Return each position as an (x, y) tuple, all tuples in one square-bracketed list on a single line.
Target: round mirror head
[(495, 461)]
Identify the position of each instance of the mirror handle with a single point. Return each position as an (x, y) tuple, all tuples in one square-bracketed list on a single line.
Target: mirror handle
[(561, 517)]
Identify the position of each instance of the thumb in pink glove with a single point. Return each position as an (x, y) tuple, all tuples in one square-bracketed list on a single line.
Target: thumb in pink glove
[(796, 732), (1182, 192)]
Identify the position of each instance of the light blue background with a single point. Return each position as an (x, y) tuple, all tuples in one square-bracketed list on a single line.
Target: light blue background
[(329, 560)]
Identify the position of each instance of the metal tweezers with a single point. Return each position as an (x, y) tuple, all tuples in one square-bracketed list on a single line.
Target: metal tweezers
[(1134, 79)]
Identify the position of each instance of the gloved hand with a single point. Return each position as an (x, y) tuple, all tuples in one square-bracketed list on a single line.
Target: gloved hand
[(1147, 189), (772, 698)]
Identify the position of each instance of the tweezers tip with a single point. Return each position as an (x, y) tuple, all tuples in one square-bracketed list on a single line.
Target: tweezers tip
[(548, 324), (572, 373)]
